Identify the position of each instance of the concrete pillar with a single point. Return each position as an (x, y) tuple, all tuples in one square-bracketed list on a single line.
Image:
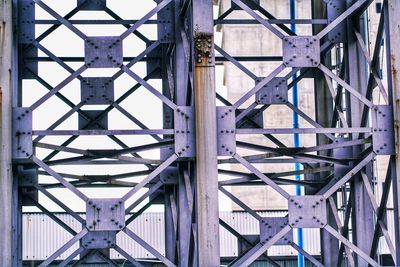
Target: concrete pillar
[(6, 43)]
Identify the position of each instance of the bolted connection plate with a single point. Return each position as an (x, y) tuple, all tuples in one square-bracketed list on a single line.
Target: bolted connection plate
[(226, 135), (274, 92), (22, 130), (99, 240), (307, 211), (301, 51), (335, 8), (105, 214), (382, 127), (26, 16), (270, 226), (185, 145), (97, 90), (103, 52)]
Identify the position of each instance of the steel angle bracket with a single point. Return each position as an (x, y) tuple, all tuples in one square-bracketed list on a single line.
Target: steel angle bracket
[(226, 127), (301, 51), (382, 127), (185, 146)]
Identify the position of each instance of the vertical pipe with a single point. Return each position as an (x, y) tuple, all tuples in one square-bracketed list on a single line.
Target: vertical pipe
[(392, 25), (206, 135), (6, 183), (296, 137)]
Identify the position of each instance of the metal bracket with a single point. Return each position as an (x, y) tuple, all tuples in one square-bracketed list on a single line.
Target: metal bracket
[(226, 127), (92, 5), (256, 116), (97, 90), (301, 51), (274, 92), (335, 8), (307, 211), (102, 124), (99, 240), (22, 130), (103, 52), (105, 214), (382, 126), (270, 226), (166, 23), (26, 17), (185, 145)]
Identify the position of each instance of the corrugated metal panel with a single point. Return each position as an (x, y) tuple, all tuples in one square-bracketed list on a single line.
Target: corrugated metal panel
[(43, 236)]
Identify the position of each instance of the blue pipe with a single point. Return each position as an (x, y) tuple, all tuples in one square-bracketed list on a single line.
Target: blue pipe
[(296, 137)]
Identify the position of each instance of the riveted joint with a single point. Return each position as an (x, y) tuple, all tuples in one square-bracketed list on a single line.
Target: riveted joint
[(204, 49)]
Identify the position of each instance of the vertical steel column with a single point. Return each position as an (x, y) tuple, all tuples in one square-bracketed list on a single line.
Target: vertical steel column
[(206, 135), (323, 115), (362, 212), (6, 182), (392, 17)]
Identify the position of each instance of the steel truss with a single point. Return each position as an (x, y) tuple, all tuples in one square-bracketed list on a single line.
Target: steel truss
[(184, 177)]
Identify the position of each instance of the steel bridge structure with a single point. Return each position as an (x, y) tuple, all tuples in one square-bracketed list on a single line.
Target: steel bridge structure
[(355, 123)]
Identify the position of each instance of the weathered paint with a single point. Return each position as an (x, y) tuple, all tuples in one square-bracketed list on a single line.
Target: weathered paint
[(5, 133), (206, 136)]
